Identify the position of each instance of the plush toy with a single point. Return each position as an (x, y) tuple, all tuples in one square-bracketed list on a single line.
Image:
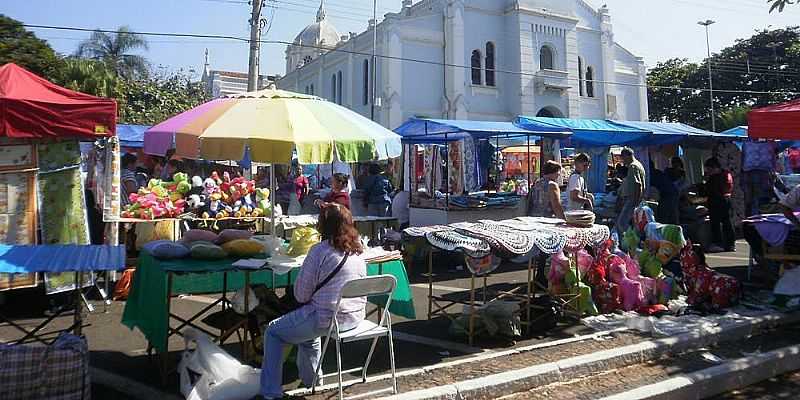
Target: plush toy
[(196, 201), (705, 286), (182, 184), (262, 204), (216, 178)]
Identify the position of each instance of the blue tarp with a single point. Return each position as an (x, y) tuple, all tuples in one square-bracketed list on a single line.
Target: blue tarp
[(61, 258), (424, 130), (588, 132), (739, 131), (673, 133), (131, 135)]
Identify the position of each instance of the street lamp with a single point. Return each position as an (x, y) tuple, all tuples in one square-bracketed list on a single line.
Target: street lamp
[(706, 24), (774, 46)]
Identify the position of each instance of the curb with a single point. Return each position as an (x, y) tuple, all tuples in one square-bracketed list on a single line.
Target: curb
[(505, 383), (719, 379)]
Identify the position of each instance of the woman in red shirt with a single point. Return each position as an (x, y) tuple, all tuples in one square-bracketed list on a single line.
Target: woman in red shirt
[(338, 192)]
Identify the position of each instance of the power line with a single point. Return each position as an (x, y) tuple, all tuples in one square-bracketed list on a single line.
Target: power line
[(402, 59)]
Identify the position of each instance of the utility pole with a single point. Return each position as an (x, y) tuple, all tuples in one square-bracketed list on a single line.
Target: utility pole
[(706, 24), (255, 46), (374, 70)]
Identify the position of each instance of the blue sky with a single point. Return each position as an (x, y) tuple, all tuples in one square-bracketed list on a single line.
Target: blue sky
[(654, 29)]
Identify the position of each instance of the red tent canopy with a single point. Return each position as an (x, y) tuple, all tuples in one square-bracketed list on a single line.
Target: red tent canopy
[(780, 121), (32, 107)]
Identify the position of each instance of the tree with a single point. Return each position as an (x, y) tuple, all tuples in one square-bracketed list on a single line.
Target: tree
[(732, 117), (779, 4), (753, 72), (153, 99), (88, 76), (114, 49), (25, 49)]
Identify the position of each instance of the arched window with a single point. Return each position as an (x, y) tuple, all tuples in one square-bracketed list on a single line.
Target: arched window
[(490, 64), (476, 67), (333, 88), (546, 58), (365, 93), (590, 81), (312, 89), (339, 88), (307, 92), (580, 77)]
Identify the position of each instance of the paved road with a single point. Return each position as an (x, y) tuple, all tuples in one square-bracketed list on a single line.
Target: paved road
[(122, 353)]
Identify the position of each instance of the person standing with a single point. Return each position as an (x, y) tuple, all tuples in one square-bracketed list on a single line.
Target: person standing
[(579, 197), (718, 188), (128, 181), (668, 196), (544, 199), (329, 265), (301, 189), (339, 193), (376, 192), (631, 190)]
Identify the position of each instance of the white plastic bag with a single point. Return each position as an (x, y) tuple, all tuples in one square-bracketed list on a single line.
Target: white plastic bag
[(209, 373), (237, 301)]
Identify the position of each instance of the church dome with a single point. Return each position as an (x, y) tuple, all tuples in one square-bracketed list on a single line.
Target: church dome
[(321, 32)]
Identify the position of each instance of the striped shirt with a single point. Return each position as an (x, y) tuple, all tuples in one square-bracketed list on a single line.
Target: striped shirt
[(127, 176), (321, 260)]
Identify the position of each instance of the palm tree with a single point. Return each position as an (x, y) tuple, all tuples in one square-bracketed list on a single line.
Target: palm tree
[(114, 50), (88, 76)]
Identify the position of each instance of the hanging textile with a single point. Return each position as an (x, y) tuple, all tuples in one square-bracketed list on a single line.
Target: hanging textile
[(471, 177), (597, 176), (111, 188), (408, 158), (17, 204), (62, 216), (693, 158), (455, 161), (429, 170), (730, 157)]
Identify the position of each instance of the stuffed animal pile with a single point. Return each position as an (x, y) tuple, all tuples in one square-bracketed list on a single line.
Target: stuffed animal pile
[(213, 197)]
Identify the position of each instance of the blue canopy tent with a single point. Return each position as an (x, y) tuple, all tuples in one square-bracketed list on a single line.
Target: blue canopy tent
[(665, 133), (739, 132), (131, 135), (440, 131), (588, 132)]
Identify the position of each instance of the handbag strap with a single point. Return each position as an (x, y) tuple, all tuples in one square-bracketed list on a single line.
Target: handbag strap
[(330, 276)]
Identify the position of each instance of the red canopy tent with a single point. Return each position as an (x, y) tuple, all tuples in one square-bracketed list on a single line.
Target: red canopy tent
[(780, 121), (32, 107)]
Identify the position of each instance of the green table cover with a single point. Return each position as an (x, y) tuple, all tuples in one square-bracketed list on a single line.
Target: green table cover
[(146, 307)]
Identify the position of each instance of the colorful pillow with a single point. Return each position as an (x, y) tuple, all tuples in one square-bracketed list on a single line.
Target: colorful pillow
[(166, 249), (196, 235), (243, 248), (228, 235), (207, 251)]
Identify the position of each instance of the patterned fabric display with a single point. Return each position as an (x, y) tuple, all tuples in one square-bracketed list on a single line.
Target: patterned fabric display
[(456, 167), (56, 372), (451, 240), (706, 286), (502, 238), (471, 178)]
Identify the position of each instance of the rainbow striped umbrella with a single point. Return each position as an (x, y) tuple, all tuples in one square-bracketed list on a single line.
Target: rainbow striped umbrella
[(271, 123)]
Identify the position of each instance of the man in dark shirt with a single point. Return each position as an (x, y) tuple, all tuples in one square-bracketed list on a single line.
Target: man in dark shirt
[(667, 212), (718, 188)]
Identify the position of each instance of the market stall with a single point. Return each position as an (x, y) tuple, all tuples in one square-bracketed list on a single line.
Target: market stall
[(486, 243), (459, 190), (43, 205), (268, 127)]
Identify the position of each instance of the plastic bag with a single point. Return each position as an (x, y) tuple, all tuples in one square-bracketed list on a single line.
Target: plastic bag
[(209, 373), (237, 301), (302, 240)]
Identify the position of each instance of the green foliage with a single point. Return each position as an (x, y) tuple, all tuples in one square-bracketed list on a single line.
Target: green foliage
[(150, 100), (19, 46), (771, 70), (114, 50), (88, 76), (732, 117)]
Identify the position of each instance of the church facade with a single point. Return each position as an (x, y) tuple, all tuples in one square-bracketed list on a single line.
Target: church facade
[(474, 59)]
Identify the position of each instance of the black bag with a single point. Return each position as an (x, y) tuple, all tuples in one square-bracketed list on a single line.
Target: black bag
[(290, 303)]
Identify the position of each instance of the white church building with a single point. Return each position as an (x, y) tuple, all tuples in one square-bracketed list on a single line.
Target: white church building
[(474, 59)]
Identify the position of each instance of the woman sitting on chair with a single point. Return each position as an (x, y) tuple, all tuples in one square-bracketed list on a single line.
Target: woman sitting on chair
[(327, 267)]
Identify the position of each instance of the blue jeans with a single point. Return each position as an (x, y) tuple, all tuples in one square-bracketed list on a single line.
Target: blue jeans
[(293, 328)]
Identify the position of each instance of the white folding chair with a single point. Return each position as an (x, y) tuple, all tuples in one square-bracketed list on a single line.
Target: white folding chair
[(366, 287)]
